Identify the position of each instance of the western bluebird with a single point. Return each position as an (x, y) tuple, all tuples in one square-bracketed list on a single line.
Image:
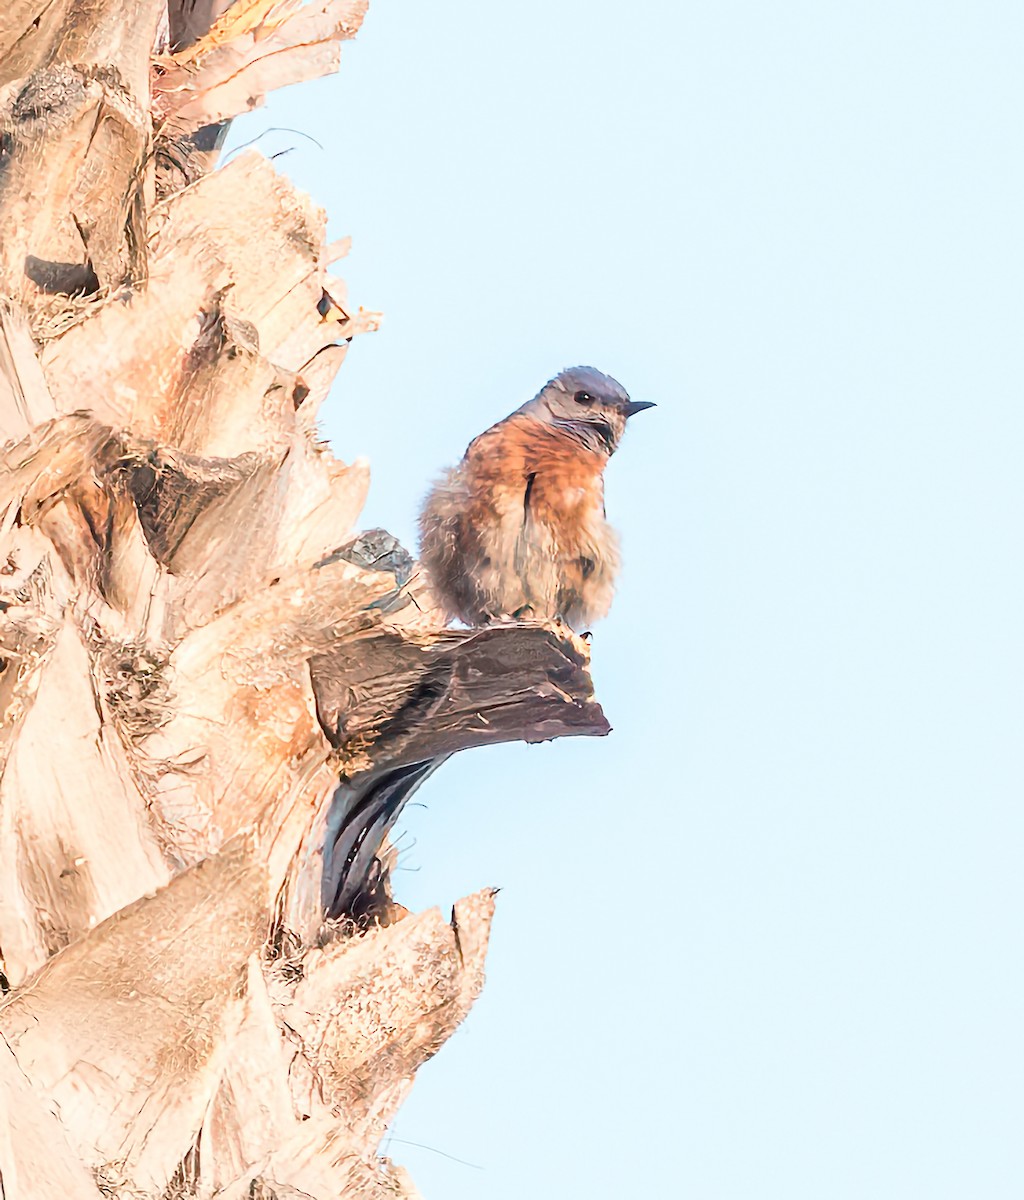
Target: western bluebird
[(518, 527)]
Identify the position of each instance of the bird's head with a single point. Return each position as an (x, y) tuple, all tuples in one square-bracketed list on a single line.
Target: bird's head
[(591, 407)]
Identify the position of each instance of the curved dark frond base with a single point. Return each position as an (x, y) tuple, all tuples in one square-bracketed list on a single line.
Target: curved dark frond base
[(452, 691)]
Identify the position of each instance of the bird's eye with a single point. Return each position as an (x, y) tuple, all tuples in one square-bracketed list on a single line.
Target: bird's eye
[(583, 398)]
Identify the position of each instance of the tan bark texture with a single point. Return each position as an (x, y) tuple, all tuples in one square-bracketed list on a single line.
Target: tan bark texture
[(216, 692)]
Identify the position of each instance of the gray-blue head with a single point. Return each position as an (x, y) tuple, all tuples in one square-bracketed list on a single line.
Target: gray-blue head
[(590, 406)]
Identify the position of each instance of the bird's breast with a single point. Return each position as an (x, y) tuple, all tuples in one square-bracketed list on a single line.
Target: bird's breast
[(562, 494), (550, 474)]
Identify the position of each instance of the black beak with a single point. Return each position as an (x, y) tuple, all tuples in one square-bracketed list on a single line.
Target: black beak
[(635, 406)]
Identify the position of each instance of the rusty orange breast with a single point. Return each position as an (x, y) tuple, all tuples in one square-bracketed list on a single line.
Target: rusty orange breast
[(521, 454)]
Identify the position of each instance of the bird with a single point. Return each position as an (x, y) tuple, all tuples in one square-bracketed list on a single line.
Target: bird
[(517, 529)]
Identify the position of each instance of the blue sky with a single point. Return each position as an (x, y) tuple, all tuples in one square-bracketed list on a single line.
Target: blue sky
[(763, 941)]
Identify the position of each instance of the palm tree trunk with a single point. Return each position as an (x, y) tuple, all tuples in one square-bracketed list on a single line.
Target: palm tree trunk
[(215, 694)]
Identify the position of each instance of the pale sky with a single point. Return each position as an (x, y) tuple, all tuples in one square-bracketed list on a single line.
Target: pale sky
[(763, 942)]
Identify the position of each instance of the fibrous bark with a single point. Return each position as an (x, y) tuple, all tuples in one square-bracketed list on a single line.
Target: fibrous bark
[(216, 694)]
